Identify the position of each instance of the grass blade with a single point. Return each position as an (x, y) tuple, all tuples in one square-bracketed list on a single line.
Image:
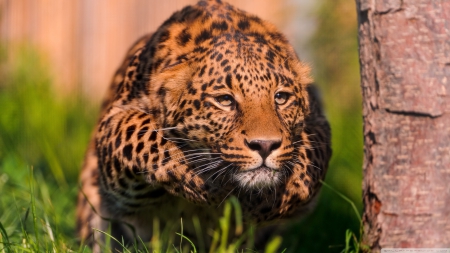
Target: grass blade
[(113, 238), (33, 210), (190, 242), (4, 242), (344, 198)]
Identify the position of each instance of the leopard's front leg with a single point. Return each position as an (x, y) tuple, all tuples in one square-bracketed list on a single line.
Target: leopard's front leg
[(138, 164), (311, 163)]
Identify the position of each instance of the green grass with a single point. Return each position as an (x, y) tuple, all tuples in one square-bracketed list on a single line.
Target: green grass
[(43, 138), (42, 142)]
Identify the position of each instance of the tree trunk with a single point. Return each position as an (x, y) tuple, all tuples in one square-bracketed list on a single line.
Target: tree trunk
[(405, 80)]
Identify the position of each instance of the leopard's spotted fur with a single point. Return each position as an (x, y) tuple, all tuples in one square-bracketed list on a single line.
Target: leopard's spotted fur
[(215, 103)]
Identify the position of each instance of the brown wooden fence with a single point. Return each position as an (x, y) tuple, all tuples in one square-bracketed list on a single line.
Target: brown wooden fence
[(85, 40)]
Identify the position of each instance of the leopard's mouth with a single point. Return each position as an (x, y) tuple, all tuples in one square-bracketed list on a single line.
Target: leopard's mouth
[(259, 177), (262, 168)]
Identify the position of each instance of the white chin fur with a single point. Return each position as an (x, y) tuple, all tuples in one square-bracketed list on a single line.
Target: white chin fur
[(258, 178)]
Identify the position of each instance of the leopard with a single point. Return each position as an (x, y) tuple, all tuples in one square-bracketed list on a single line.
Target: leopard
[(215, 104)]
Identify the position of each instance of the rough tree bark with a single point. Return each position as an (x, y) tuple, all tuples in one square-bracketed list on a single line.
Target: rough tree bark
[(405, 79)]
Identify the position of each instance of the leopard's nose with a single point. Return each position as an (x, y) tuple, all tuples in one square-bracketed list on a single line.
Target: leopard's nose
[(263, 147)]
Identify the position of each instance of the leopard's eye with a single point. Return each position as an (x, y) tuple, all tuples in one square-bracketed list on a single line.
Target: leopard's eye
[(281, 98), (225, 100)]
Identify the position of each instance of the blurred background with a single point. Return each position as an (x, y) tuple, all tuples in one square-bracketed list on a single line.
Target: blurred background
[(56, 61)]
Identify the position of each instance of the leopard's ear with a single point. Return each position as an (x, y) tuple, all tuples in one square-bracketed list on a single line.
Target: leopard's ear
[(315, 100), (174, 76), (170, 84), (304, 73)]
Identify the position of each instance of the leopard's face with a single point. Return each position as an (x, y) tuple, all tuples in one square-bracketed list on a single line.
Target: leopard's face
[(232, 93)]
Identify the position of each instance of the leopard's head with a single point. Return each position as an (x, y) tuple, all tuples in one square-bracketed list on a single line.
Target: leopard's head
[(230, 90)]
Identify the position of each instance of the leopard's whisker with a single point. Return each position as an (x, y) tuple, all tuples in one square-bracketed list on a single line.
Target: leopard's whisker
[(288, 169), (306, 148), (309, 142), (163, 129), (219, 172), (222, 170), (204, 154), (200, 159), (231, 164), (230, 177), (195, 150), (176, 138), (208, 168), (202, 163), (188, 155), (309, 164), (239, 192), (170, 149), (152, 130), (274, 196), (213, 162), (226, 197)]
